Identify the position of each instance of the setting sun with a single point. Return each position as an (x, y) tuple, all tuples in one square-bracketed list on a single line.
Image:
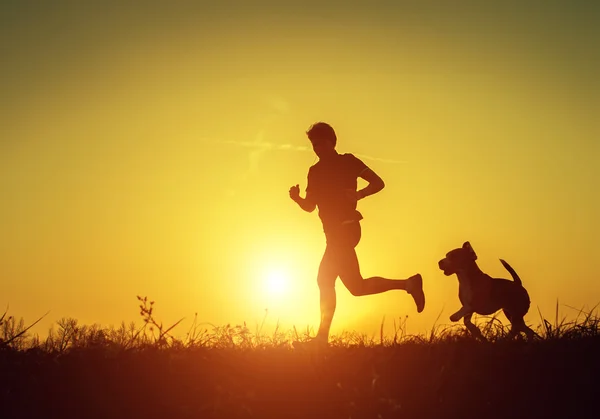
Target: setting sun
[(277, 283)]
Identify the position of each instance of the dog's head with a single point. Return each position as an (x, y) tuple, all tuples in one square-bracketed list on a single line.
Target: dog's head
[(458, 258)]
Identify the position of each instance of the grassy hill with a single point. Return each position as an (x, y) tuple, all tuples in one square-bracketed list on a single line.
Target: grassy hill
[(229, 372)]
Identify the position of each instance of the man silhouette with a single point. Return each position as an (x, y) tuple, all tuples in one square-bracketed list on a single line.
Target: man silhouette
[(332, 187)]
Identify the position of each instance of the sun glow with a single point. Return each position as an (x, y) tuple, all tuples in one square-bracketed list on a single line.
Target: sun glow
[(277, 283)]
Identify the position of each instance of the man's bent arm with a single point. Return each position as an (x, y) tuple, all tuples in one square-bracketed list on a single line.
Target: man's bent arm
[(375, 183), (307, 204)]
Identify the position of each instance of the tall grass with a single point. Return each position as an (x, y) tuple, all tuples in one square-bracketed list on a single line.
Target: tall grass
[(68, 334), (146, 370)]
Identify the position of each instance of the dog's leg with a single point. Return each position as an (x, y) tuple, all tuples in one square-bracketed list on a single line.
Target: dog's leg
[(515, 325), (529, 333), (472, 328), (514, 331), (518, 326), (459, 314)]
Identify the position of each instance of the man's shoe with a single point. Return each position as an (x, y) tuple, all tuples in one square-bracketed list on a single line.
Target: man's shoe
[(414, 286)]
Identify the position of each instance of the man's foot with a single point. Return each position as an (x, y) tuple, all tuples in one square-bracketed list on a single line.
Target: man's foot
[(313, 344), (414, 286)]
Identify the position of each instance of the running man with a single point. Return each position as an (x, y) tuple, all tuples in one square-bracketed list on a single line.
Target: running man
[(332, 187)]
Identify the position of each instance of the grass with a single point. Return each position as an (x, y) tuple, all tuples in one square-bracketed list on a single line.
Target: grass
[(144, 371)]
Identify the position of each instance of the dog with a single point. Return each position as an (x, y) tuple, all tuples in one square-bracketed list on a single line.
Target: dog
[(480, 293)]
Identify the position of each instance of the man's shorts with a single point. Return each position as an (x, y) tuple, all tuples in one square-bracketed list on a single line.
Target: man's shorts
[(344, 235)]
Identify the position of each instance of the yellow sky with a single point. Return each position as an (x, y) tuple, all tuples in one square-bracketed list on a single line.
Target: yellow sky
[(150, 152)]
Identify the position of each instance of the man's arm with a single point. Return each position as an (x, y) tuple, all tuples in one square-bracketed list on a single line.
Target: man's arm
[(375, 184), (308, 204)]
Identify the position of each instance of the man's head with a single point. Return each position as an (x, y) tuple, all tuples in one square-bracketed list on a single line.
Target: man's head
[(323, 139)]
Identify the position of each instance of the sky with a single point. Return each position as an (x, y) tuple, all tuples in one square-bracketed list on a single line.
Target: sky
[(149, 150)]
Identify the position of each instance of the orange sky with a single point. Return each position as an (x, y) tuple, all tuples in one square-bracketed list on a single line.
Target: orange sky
[(150, 152)]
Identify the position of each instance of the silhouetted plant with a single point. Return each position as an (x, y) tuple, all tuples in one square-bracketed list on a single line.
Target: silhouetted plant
[(70, 334), (162, 336), (232, 371), (13, 333)]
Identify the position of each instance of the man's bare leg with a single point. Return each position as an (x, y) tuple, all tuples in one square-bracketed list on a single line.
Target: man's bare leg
[(326, 280), (352, 279), (328, 303), (377, 284), (344, 260)]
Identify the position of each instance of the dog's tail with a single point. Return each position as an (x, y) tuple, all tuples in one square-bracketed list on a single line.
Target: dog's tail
[(511, 271)]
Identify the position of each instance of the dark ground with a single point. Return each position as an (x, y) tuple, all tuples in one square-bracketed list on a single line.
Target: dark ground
[(460, 378)]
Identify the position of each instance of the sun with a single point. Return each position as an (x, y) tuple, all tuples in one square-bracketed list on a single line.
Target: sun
[(276, 283)]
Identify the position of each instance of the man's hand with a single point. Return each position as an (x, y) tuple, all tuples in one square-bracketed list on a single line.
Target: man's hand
[(295, 193), (375, 184), (308, 204), (353, 195)]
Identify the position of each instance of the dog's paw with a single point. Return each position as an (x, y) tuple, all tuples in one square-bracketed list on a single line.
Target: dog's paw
[(455, 317)]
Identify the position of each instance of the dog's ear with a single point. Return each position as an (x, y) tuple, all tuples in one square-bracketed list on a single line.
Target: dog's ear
[(467, 246)]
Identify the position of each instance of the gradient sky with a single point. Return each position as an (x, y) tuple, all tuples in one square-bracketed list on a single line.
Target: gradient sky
[(149, 151)]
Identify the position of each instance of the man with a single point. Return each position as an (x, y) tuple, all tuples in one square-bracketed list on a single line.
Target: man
[(332, 187)]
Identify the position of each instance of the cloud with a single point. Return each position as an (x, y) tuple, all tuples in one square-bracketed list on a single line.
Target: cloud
[(380, 159), (259, 147), (262, 146)]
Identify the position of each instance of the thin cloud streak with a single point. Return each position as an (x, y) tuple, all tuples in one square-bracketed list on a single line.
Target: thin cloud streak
[(265, 146), (381, 159)]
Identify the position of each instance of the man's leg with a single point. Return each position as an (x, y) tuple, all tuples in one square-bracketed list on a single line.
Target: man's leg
[(353, 280), (356, 284), (326, 281)]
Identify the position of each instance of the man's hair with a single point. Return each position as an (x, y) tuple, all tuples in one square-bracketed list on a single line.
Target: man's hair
[(321, 131)]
